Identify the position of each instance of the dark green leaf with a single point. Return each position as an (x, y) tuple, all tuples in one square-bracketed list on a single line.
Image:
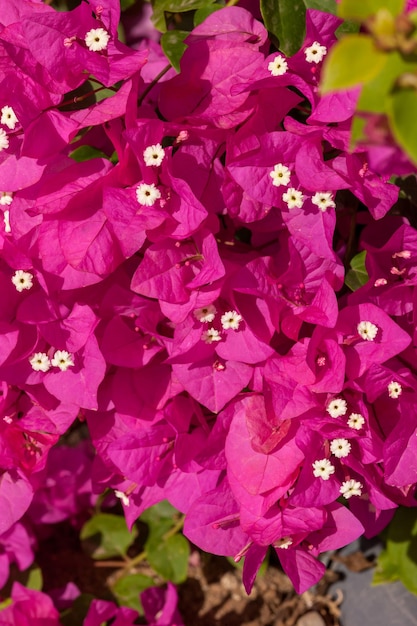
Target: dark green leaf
[(106, 535), (162, 510), (173, 46), (361, 9), (357, 276), (128, 588), (126, 4), (85, 153), (78, 611), (402, 107), (160, 7), (201, 14), (329, 6), (399, 559), (352, 61), (168, 558), (286, 20)]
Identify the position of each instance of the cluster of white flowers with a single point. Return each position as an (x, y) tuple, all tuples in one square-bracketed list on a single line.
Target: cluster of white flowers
[(41, 362), (206, 315)]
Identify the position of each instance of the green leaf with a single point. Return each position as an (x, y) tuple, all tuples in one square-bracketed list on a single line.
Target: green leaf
[(201, 14), (162, 510), (399, 559), (357, 276), (168, 558), (86, 153), (173, 46), (373, 96), (127, 590), (75, 615), (106, 535), (401, 108), (286, 20), (160, 7), (360, 10), (126, 4), (352, 61), (329, 6), (35, 579)]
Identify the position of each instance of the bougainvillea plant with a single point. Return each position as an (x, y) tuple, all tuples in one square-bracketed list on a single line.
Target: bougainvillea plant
[(198, 267)]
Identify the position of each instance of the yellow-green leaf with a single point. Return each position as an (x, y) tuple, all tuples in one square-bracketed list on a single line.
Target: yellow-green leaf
[(401, 108), (351, 62), (360, 10)]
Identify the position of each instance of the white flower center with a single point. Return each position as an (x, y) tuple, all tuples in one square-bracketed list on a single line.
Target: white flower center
[(278, 66), (367, 330), (315, 53), (323, 469), (280, 175), (394, 389), (284, 543), (6, 220), (356, 421), (8, 117), (206, 313), (324, 200), (231, 319), (147, 194), (22, 280), (340, 447), (63, 360), (4, 140), (337, 407), (6, 198), (351, 488), (122, 496), (153, 155), (40, 362), (97, 39), (293, 198)]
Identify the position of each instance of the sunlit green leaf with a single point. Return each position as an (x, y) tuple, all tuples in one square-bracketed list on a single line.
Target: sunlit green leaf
[(353, 61), (106, 535), (127, 590), (329, 6), (286, 20), (160, 7), (357, 276), (402, 107), (169, 558), (399, 559), (173, 46), (85, 153), (361, 9)]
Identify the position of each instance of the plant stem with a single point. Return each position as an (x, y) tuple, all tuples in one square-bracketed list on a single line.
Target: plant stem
[(153, 83)]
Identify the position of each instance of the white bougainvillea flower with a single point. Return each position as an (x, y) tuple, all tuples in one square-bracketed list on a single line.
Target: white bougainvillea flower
[(324, 200), (394, 389), (340, 447), (367, 330), (278, 66), (22, 280), (4, 140), (284, 543), (293, 198), (351, 488), (280, 175), (122, 496), (356, 421), (337, 407), (323, 469), (315, 53), (97, 39), (63, 360), (40, 362), (6, 220), (153, 155), (6, 198), (231, 319), (8, 117), (147, 194), (206, 313), (211, 335)]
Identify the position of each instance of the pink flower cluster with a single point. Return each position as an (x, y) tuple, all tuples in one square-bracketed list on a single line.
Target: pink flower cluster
[(182, 291)]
